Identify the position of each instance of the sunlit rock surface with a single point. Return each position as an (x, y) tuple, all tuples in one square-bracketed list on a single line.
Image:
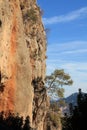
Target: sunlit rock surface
[(22, 58)]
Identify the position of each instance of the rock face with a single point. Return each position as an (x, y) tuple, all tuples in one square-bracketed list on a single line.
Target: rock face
[(22, 60)]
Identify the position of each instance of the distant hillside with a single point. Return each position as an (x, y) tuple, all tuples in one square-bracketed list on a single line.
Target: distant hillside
[(71, 99)]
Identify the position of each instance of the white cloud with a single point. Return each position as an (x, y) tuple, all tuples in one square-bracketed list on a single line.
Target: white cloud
[(78, 72), (75, 67), (80, 13), (65, 56), (79, 77), (76, 51), (71, 47), (78, 67)]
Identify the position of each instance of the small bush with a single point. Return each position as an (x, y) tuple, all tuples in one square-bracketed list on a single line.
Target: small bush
[(55, 118), (31, 15)]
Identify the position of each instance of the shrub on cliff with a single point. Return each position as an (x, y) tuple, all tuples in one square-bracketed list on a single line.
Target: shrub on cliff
[(31, 15)]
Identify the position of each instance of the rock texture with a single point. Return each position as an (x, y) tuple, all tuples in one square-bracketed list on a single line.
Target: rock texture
[(22, 60)]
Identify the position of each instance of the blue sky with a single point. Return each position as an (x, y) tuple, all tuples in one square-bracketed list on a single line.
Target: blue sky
[(67, 39)]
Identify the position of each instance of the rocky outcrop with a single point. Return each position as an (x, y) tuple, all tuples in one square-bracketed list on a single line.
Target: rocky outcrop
[(22, 60)]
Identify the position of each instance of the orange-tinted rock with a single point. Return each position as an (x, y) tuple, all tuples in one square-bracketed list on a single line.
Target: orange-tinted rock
[(22, 55), (14, 60)]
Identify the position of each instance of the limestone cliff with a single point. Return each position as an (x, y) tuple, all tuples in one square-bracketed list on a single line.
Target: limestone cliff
[(22, 60)]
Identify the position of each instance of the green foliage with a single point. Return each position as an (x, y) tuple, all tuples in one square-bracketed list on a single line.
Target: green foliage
[(31, 15), (60, 92), (77, 120), (55, 118), (62, 103), (56, 80), (54, 107)]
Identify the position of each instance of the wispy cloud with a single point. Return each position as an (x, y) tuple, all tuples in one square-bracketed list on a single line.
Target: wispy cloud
[(72, 57), (71, 47), (75, 67), (77, 71), (80, 13), (75, 51), (72, 67)]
